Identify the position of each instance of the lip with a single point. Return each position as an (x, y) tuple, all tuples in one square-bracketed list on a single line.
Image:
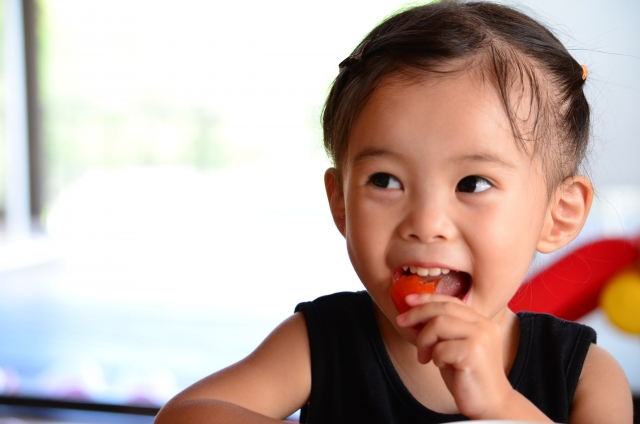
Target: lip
[(465, 298)]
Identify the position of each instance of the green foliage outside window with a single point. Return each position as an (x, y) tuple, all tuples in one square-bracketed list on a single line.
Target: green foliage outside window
[(100, 110)]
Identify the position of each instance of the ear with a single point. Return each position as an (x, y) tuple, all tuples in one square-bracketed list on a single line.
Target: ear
[(335, 195), (567, 213)]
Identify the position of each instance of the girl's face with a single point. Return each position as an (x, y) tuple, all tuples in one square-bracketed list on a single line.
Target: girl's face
[(433, 178)]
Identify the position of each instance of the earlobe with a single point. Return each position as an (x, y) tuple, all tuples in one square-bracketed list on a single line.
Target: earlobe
[(335, 195), (568, 210)]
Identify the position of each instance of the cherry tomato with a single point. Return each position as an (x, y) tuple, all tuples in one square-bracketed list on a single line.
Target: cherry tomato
[(410, 284)]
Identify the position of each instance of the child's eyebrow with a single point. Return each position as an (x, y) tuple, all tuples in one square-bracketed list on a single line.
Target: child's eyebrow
[(374, 152), (485, 157), (476, 157)]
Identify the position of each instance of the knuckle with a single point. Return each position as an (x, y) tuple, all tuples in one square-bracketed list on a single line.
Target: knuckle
[(439, 320), (483, 338), (439, 348), (476, 348), (448, 307)]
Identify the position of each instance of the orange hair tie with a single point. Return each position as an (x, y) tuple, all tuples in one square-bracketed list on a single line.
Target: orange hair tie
[(585, 72)]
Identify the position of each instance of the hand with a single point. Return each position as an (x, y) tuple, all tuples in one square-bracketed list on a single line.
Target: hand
[(466, 347)]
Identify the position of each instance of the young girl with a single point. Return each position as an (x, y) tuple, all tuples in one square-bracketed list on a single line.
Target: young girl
[(456, 131)]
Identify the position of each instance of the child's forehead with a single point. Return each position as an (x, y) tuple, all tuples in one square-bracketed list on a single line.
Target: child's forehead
[(393, 84), (477, 69), (432, 102), (454, 117), (462, 100)]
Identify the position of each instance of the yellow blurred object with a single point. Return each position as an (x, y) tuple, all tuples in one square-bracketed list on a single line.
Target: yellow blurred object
[(620, 299)]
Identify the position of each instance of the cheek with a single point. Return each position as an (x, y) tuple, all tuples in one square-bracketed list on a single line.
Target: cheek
[(508, 236), (367, 238), (519, 220)]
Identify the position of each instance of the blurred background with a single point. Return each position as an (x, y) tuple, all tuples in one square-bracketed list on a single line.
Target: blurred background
[(161, 197)]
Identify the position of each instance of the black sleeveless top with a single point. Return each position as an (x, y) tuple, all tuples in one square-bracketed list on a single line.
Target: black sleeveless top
[(354, 381)]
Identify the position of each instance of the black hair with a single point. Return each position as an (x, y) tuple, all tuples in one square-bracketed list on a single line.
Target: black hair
[(522, 58)]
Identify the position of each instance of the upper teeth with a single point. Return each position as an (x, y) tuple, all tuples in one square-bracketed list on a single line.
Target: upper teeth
[(426, 272)]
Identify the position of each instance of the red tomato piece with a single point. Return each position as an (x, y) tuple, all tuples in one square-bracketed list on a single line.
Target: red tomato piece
[(410, 284)]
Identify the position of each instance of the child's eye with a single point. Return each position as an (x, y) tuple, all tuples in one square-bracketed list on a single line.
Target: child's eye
[(384, 180), (473, 184)]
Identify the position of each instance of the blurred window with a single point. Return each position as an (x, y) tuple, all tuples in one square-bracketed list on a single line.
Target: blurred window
[(3, 148), (182, 191)]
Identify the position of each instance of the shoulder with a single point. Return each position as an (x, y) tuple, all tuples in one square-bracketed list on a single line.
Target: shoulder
[(564, 342), (558, 341), (603, 393), (336, 301), (339, 327), (274, 380), (554, 324), (288, 340), (336, 308), (556, 335), (549, 362)]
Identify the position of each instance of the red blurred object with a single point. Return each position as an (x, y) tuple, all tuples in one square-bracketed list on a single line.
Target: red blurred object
[(570, 287)]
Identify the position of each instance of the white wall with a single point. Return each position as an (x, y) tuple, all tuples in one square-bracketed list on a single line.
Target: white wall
[(605, 36)]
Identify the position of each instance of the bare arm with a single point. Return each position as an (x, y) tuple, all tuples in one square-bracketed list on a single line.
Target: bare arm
[(603, 394), (265, 387)]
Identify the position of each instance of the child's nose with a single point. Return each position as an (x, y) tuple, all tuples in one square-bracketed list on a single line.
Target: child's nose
[(427, 221)]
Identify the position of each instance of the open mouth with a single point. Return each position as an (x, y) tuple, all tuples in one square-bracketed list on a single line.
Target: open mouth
[(452, 283)]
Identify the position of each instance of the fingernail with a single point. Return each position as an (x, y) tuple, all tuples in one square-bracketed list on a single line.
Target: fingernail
[(412, 297), (400, 319)]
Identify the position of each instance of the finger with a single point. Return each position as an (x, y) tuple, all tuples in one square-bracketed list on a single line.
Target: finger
[(452, 354), (423, 313), (481, 345), (421, 298), (440, 329)]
